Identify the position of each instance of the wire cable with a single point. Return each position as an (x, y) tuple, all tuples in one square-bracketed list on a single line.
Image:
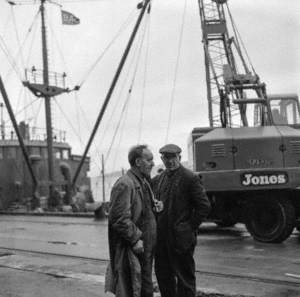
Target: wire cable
[(18, 112), (17, 36), (67, 119), (118, 98), (176, 72), (13, 63), (33, 28), (121, 29), (239, 38), (144, 82), (37, 113), (128, 95), (79, 109), (10, 59), (88, 127), (113, 168)]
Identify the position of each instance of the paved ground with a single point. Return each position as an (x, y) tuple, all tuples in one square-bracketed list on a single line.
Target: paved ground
[(228, 261), (28, 275)]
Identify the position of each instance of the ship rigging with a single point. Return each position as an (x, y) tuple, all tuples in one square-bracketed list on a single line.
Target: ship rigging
[(163, 118)]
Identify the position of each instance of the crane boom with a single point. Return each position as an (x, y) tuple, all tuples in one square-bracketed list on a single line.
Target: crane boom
[(228, 75)]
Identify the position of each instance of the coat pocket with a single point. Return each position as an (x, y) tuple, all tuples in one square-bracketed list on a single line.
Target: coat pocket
[(185, 237)]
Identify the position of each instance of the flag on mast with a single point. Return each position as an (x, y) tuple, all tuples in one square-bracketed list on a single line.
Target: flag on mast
[(69, 18)]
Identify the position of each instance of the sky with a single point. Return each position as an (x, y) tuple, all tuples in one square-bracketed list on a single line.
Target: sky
[(270, 31)]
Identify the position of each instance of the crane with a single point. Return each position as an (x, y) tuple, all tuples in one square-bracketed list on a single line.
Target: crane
[(248, 159)]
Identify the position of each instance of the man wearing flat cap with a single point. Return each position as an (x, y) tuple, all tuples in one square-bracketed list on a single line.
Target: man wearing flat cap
[(184, 205)]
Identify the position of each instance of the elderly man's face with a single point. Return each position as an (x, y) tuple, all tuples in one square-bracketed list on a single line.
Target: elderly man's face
[(145, 163), (171, 161)]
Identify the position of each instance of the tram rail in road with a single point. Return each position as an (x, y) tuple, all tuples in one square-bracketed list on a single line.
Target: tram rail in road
[(200, 272), (225, 258)]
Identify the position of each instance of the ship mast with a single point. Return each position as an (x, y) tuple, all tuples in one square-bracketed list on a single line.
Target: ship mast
[(47, 101), (44, 88)]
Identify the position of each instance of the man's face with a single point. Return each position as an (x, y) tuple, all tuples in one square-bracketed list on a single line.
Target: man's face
[(171, 161), (145, 163)]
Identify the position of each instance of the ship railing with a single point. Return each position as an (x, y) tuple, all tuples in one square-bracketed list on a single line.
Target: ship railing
[(32, 134), (36, 76)]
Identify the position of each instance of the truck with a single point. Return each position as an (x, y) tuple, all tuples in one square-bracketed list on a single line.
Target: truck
[(249, 157)]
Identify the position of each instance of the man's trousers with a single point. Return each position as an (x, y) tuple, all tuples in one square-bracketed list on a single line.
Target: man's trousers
[(175, 272)]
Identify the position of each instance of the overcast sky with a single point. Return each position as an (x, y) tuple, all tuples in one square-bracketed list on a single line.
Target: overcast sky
[(270, 31)]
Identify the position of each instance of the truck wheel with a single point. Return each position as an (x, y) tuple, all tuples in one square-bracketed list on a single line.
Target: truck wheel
[(270, 221)]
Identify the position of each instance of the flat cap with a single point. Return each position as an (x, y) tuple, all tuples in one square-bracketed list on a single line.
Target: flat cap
[(170, 149)]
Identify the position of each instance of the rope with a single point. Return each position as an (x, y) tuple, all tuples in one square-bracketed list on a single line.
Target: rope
[(176, 72), (87, 126), (21, 91), (69, 122), (128, 95), (73, 128), (37, 113), (13, 63), (144, 83), (239, 38), (118, 98), (120, 140), (115, 107), (122, 28), (58, 46), (79, 108), (24, 108), (17, 34), (7, 21), (33, 35), (66, 67), (9, 57)]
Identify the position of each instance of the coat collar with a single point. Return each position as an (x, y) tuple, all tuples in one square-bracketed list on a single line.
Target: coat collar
[(136, 176)]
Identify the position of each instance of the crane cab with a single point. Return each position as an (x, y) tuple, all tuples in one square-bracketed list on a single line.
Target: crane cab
[(285, 110)]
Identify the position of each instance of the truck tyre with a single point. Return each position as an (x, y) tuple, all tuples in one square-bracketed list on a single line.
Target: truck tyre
[(270, 220)]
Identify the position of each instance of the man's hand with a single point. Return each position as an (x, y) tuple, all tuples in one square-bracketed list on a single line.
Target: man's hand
[(138, 248)]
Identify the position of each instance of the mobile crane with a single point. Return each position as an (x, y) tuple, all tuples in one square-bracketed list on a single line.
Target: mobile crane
[(249, 157)]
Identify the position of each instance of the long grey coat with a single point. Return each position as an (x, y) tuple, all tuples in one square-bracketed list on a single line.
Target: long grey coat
[(123, 232)]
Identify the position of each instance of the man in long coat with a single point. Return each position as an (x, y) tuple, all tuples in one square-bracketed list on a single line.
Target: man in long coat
[(185, 205), (132, 228)]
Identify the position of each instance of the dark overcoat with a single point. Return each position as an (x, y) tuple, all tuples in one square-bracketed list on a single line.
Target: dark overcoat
[(186, 207)]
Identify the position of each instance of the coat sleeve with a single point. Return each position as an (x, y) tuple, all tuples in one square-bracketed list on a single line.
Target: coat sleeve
[(120, 218), (200, 202)]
